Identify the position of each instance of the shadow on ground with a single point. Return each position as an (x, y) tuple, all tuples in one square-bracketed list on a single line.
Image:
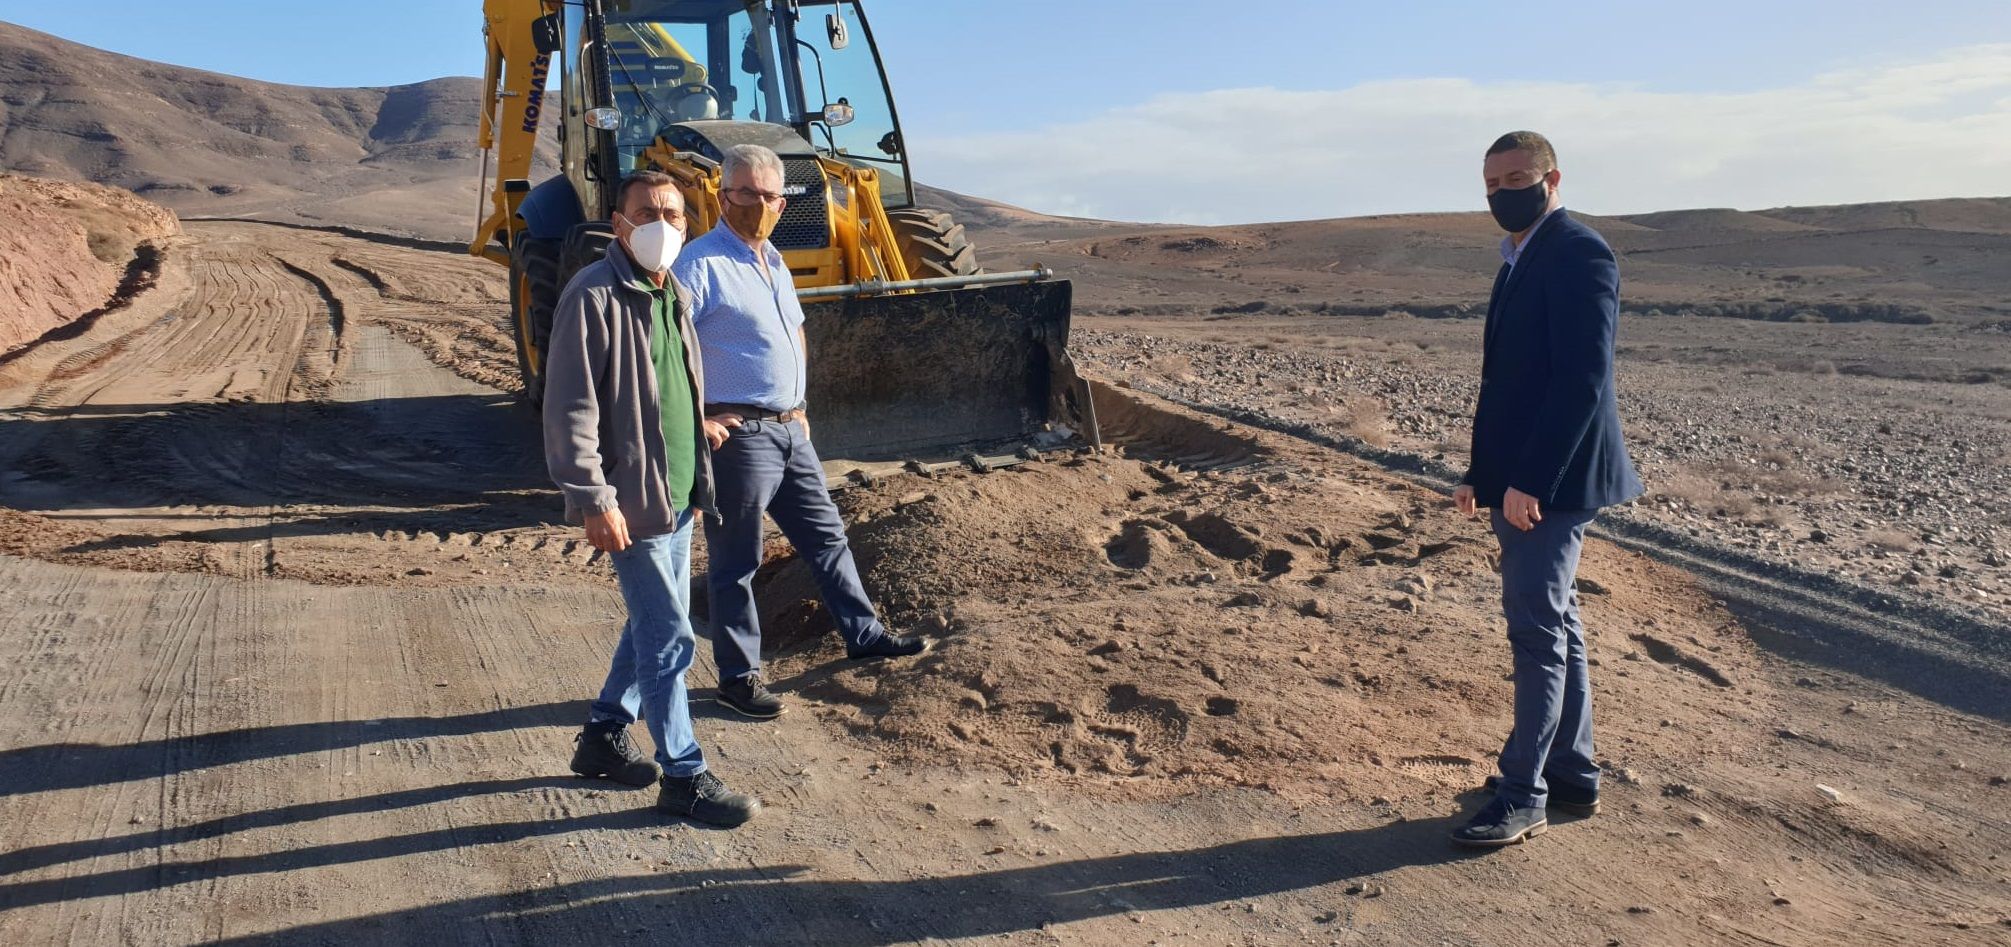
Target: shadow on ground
[(786, 904), (43, 856), (52, 766), (385, 463)]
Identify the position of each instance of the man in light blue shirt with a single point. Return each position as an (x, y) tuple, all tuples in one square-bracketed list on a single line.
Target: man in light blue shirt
[(751, 344), (749, 323)]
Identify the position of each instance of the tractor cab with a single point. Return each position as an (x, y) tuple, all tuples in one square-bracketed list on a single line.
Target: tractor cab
[(673, 62)]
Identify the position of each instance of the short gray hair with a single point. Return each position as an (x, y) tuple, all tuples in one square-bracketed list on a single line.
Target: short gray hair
[(751, 158)]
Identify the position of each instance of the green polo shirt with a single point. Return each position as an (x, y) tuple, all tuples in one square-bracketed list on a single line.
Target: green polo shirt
[(677, 409)]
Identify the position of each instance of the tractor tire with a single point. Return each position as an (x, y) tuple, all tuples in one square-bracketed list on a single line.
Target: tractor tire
[(933, 244), (534, 294)]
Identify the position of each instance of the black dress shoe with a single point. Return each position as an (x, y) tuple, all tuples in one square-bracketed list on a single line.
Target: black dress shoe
[(605, 752), (1499, 823), (750, 697), (1569, 800), (705, 799), (888, 646)]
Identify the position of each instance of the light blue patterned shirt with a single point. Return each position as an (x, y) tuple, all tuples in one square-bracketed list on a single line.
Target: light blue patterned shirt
[(747, 325)]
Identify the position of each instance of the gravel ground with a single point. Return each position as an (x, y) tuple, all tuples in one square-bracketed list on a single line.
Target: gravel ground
[(1897, 482)]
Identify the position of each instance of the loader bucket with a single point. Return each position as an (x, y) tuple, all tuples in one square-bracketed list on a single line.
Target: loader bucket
[(926, 376)]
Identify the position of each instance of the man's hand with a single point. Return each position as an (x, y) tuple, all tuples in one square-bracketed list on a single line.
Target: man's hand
[(1462, 499), (806, 425), (607, 532), (717, 426), (1519, 509)]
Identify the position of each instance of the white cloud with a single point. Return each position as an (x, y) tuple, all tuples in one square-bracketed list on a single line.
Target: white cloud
[(1934, 128)]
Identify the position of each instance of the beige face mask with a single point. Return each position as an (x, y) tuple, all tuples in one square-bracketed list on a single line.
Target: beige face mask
[(753, 221)]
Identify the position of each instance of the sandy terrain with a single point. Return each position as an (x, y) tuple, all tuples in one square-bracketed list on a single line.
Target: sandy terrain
[(299, 646), (301, 660)]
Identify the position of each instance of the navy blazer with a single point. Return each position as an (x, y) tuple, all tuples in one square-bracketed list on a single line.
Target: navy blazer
[(1548, 422)]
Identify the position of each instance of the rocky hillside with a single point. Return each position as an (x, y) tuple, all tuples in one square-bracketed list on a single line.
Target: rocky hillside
[(67, 250)]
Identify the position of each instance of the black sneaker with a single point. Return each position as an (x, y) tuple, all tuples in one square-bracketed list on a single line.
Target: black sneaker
[(607, 753), (1499, 823), (750, 697), (888, 646), (1569, 800), (704, 798)]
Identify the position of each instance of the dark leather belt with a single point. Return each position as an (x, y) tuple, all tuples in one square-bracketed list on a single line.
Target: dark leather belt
[(749, 412)]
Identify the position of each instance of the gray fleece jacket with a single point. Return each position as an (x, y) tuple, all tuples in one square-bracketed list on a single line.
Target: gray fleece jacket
[(603, 427)]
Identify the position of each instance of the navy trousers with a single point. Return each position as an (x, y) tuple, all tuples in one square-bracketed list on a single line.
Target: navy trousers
[(769, 466), (1552, 740)]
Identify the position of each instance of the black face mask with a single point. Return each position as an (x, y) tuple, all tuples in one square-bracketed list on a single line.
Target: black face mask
[(1517, 209)]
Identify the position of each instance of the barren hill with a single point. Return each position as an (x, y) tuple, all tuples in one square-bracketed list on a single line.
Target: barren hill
[(1974, 214), (1902, 261), (401, 158)]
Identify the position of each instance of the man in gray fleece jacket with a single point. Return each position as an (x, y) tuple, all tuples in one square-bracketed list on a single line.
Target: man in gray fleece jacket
[(624, 441)]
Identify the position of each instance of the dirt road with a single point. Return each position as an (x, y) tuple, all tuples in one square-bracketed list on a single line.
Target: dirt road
[(295, 652)]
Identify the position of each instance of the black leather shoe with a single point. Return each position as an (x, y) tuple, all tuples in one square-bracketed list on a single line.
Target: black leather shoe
[(705, 799), (1499, 823), (750, 698), (1569, 800), (605, 752), (888, 646)]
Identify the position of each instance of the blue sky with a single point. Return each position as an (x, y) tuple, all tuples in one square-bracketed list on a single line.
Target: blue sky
[(1339, 91)]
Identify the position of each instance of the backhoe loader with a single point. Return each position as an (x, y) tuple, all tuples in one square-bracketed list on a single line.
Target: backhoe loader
[(915, 354)]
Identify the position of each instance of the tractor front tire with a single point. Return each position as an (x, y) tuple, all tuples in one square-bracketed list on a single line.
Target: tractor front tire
[(932, 243), (534, 294)]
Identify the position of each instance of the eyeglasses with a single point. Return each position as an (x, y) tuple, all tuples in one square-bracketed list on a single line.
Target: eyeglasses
[(748, 195), (650, 215)]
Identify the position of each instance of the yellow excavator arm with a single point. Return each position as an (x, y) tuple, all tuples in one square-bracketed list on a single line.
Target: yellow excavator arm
[(513, 102)]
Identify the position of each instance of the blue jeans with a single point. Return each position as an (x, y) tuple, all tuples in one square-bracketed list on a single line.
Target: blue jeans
[(1552, 739), (646, 678), (770, 466)]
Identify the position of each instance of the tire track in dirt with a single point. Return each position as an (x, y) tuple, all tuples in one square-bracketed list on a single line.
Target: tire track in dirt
[(458, 324), (220, 441), (231, 412)]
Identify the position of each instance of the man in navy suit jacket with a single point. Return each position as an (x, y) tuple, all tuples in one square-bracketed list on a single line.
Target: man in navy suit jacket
[(1547, 454)]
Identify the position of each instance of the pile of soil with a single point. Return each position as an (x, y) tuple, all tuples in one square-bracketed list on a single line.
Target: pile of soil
[(1286, 622), (65, 249), (55, 540)]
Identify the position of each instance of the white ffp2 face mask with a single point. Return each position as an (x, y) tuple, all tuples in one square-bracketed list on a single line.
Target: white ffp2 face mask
[(655, 245)]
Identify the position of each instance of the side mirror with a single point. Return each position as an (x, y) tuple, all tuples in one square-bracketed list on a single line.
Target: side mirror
[(545, 34), (835, 28), (839, 114)]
